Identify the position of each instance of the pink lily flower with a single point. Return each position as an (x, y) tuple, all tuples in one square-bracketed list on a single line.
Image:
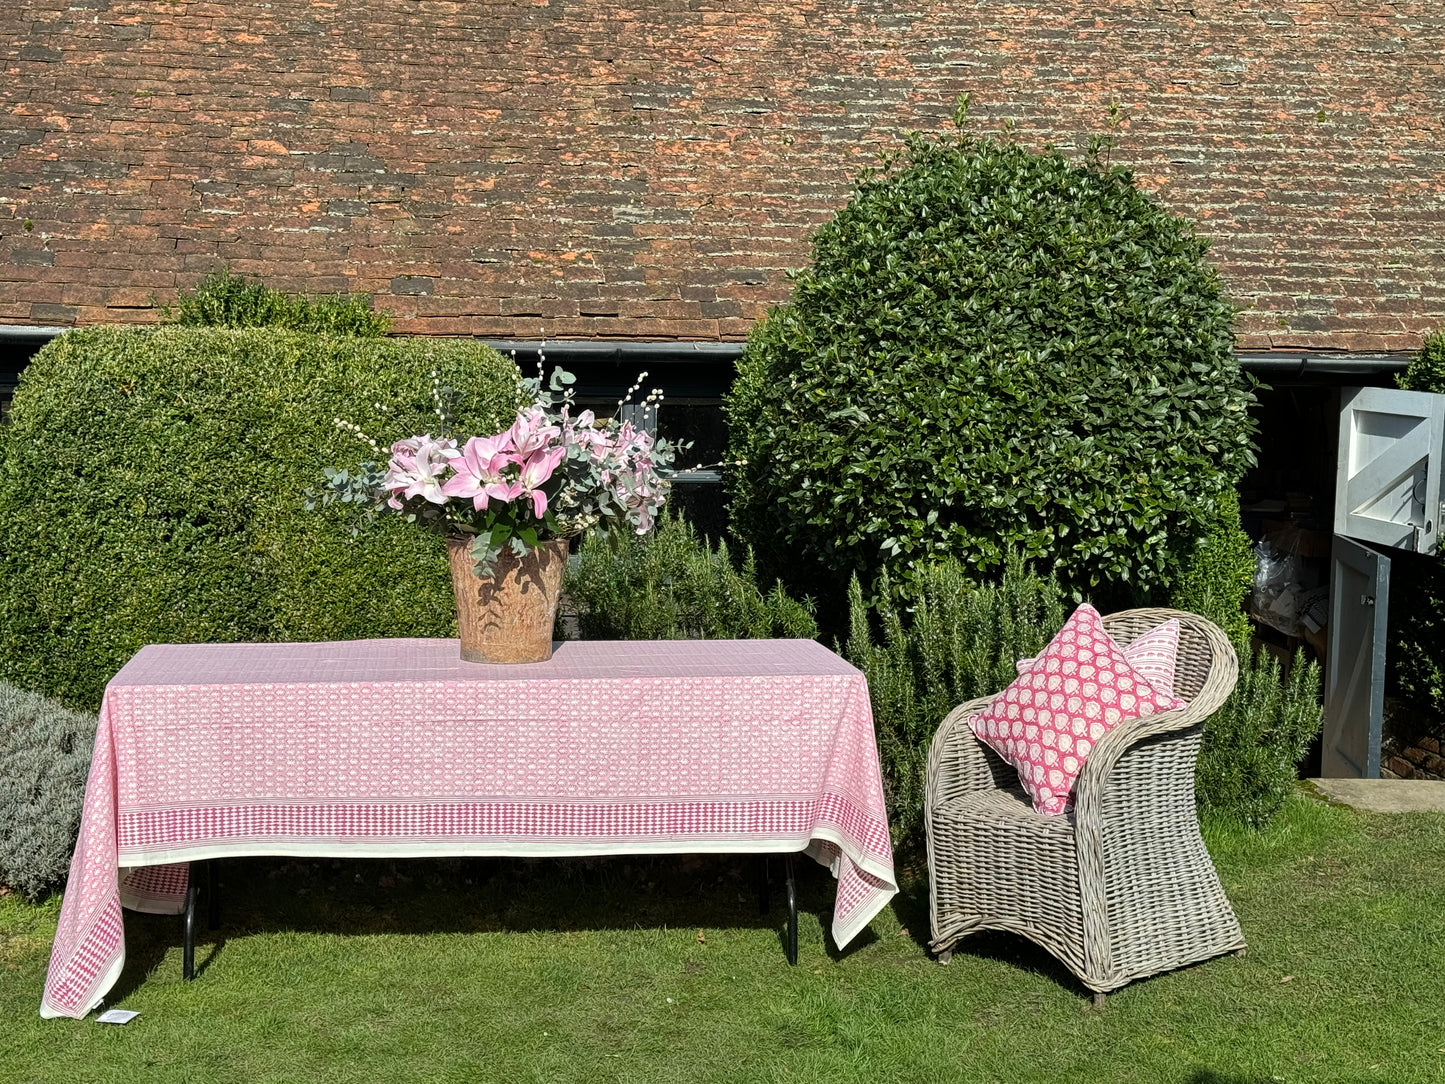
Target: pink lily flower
[(478, 471), (537, 468), (415, 469), (530, 432)]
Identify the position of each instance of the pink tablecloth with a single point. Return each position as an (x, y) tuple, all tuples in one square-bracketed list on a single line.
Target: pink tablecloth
[(396, 747)]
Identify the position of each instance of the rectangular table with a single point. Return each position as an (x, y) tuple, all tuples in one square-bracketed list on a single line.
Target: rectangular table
[(380, 748)]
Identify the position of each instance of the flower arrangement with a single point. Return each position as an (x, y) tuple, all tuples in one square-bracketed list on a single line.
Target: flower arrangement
[(555, 473)]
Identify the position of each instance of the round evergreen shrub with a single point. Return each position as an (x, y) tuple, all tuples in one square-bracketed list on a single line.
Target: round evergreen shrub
[(993, 350), (44, 761), (152, 489)]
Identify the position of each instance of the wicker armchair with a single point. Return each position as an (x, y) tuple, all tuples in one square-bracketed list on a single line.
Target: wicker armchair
[(1119, 888)]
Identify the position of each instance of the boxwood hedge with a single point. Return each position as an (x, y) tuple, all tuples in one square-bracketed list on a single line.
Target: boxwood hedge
[(151, 491), (993, 350)]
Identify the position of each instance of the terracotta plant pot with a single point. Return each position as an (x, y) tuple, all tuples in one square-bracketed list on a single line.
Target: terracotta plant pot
[(509, 616)]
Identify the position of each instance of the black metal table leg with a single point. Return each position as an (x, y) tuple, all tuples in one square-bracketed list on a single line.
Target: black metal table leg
[(792, 886), (213, 899), (188, 928)]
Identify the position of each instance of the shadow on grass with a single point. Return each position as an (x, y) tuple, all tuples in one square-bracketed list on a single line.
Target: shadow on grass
[(1209, 1076), (480, 895), (911, 906)]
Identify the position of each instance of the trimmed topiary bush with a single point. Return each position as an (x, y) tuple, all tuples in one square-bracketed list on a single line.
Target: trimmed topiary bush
[(44, 760), (993, 350), (672, 585), (222, 299), (959, 642), (151, 491)]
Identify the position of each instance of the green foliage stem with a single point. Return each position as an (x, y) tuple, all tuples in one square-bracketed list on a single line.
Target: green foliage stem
[(1218, 575), (1249, 762), (671, 585), (1253, 744), (960, 641)]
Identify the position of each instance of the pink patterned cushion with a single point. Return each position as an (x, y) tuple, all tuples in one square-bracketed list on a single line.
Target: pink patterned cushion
[(1048, 720), (1154, 654)]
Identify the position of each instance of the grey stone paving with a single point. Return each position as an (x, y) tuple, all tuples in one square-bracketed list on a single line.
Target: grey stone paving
[(1386, 795)]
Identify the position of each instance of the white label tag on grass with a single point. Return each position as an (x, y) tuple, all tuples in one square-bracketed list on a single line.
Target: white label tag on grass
[(116, 1016)]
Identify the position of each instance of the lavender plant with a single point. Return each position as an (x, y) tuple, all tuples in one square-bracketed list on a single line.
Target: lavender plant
[(44, 759)]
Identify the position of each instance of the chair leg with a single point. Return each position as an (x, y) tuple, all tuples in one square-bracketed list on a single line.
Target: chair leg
[(1099, 999)]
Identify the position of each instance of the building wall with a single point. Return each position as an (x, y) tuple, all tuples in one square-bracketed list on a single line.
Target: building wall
[(568, 169)]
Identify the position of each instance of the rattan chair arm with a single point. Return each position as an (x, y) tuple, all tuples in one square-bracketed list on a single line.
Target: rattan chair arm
[(1223, 673), (958, 762)]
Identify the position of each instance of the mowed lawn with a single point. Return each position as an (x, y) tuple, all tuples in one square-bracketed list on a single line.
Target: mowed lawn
[(663, 970)]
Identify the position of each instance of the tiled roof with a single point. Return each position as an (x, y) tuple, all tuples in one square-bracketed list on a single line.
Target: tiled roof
[(574, 170)]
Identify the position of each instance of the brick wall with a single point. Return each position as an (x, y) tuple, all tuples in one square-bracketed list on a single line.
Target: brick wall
[(574, 170)]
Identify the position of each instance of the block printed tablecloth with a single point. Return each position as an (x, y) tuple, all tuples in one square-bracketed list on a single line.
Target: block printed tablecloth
[(379, 748)]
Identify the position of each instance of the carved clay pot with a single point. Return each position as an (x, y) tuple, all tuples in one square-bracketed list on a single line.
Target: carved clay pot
[(508, 617)]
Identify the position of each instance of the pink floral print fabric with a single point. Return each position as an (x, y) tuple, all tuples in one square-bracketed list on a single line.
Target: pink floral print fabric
[(1048, 721)]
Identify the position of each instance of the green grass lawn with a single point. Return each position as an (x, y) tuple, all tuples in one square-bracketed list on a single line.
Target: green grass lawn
[(662, 970)]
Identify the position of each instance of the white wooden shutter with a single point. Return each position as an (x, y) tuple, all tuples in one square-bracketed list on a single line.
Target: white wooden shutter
[(1388, 484)]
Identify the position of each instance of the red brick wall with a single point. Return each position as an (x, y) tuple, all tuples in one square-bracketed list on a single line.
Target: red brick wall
[(573, 170)]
